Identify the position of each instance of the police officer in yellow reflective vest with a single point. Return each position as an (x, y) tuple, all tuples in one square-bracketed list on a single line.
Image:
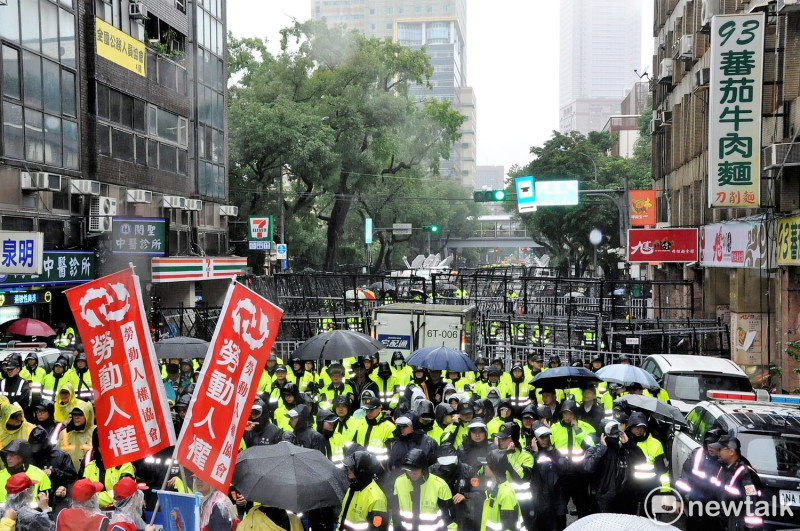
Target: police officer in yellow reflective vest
[(374, 431), (500, 508), (364, 506), (652, 449), (420, 500), (570, 437), (65, 336)]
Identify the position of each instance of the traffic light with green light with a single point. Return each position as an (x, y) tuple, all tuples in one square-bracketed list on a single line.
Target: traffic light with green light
[(487, 196), (431, 228)]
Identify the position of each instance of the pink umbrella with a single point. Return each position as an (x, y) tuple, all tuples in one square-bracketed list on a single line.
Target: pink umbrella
[(30, 327)]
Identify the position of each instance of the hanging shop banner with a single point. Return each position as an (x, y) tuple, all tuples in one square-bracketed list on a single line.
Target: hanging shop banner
[(642, 207), (662, 245), (22, 252), (218, 413), (133, 418), (789, 241), (192, 269), (734, 110), (139, 236), (259, 234), (120, 48), (58, 267), (735, 244)]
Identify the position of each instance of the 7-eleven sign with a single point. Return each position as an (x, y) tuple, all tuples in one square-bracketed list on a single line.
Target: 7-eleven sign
[(260, 234)]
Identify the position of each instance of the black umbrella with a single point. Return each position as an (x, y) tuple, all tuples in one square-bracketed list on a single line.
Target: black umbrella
[(181, 347), (441, 359), (564, 377), (659, 409), (289, 477), (337, 345)]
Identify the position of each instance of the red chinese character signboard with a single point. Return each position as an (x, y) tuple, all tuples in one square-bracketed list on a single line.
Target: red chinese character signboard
[(642, 206), (133, 419), (662, 245), (227, 384)]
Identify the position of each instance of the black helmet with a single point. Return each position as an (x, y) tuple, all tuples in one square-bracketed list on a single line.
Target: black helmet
[(568, 405), (623, 357), (14, 360), (341, 400), (32, 356), (516, 367), (554, 359), (39, 440), (544, 412), (712, 436), (397, 356), (415, 459), (578, 363), (297, 361), (497, 460), (384, 369), (183, 401), (480, 360), (442, 410), (425, 409), (360, 462)]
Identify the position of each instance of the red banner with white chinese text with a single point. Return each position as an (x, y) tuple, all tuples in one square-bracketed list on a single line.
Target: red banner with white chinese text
[(226, 387), (133, 418), (662, 245)]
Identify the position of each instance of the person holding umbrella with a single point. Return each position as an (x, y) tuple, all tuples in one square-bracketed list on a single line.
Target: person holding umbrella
[(364, 505)]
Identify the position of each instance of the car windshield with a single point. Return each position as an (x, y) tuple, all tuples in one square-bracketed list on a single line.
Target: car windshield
[(692, 387), (774, 455)]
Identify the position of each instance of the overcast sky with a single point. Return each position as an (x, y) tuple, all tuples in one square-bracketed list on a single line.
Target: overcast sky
[(512, 54)]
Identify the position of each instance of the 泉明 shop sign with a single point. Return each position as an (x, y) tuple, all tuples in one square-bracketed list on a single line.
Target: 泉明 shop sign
[(21, 252)]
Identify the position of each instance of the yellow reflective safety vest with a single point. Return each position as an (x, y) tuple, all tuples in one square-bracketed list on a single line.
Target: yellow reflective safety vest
[(113, 475), (520, 459), (569, 441), (374, 435), (35, 473), (360, 508), (495, 504), (428, 515)]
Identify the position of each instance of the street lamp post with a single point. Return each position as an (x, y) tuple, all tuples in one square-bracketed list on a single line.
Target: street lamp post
[(594, 164), (595, 237)]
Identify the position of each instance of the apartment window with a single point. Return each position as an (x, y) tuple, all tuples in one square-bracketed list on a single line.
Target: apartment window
[(389, 11)]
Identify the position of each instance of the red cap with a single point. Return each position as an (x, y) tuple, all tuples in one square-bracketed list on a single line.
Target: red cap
[(19, 482), (84, 489), (126, 487)]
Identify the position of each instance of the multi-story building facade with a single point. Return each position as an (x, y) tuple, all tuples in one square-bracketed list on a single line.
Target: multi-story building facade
[(747, 271), (440, 26), (115, 109), (600, 50)]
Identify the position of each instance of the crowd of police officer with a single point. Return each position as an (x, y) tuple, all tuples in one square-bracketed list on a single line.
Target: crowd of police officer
[(478, 450), (423, 449)]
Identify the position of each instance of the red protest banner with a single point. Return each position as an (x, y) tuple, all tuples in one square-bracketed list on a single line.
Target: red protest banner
[(133, 419), (226, 387), (662, 245), (642, 207)]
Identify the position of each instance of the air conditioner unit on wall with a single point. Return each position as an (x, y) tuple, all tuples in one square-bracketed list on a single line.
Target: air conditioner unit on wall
[(785, 6), (229, 210), (194, 204), (655, 126), (666, 117), (139, 196), (173, 201), (85, 187), (665, 71), (137, 11), (99, 224), (702, 78), (40, 181), (103, 206), (686, 47), (775, 154), (708, 10)]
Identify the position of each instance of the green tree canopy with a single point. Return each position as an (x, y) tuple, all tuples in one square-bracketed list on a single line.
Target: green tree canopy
[(333, 109)]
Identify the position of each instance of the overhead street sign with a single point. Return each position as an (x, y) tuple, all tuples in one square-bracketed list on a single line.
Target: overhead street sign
[(526, 194), (556, 193), (401, 228)]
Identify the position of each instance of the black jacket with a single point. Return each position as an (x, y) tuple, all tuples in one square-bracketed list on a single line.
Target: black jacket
[(612, 484), (307, 437), (264, 433), (403, 445), (548, 496), (593, 416)]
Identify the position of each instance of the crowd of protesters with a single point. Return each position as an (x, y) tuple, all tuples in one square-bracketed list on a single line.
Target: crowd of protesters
[(422, 449)]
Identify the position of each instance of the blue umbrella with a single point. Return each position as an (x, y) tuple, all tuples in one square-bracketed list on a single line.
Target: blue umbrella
[(441, 358), (624, 374), (564, 377)]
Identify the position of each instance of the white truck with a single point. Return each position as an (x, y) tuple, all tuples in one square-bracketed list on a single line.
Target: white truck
[(406, 327)]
